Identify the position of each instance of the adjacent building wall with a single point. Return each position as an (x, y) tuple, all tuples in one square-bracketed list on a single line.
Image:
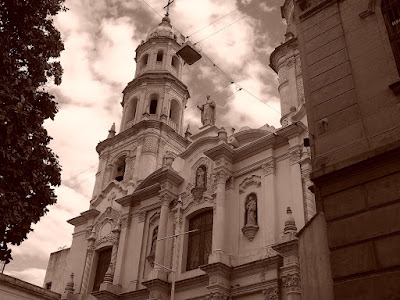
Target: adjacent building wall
[(15, 289), (56, 269), (353, 111)]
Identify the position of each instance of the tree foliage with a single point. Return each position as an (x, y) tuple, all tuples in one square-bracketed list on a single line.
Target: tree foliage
[(29, 170)]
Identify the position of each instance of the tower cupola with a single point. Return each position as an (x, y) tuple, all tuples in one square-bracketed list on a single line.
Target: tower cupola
[(157, 92)]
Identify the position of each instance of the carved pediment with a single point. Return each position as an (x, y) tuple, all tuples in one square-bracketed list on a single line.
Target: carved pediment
[(113, 191), (248, 181)]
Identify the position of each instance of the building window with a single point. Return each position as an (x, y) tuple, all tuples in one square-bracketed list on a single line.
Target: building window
[(48, 285), (391, 14), (145, 60), (120, 169), (131, 109), (199, 244), (160, 55), (174, 111), (153, 104), (175, 62), (103, 262)]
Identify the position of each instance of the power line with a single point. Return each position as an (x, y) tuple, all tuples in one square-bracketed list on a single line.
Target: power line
[(238, 87), (197, 31), (151, 8), (223, 28)]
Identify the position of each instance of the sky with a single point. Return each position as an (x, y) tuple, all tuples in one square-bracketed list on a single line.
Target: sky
[(100, 38)]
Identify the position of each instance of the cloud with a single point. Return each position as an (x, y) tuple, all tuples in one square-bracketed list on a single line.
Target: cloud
[(31, 275), (100, 38)]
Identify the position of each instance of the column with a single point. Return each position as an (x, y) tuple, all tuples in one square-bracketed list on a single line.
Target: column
[(165, 200), (137, 237), (88, 262), (109, 276), (268, 207), (309, 198), (218, 238), (137, 160), (297, 204)]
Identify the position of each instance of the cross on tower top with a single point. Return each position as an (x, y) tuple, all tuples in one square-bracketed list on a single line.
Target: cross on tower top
[(166, 7)]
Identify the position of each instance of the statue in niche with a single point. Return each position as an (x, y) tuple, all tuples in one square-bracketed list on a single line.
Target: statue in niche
[(200, 177), (207, 112), (200, 183), (152, 253), (251, 210), (251, 225)]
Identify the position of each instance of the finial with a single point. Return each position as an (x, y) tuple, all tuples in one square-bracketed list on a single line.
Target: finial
[(222, 134), (111, 132), (167, 7), (69, 288), (290, 225)]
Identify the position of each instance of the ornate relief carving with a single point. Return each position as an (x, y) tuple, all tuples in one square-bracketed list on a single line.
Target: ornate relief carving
[(109, 215), (294, 153), (142, 216), (251, 223), (218, 295), (308, 196), (150, 144), (230, 183), (282, 74), (292, 282), (221, 176), (269, 167), (252, 180), (271, 293)]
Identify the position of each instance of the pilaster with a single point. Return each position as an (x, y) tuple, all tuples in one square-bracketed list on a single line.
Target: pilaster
[(268, 208)]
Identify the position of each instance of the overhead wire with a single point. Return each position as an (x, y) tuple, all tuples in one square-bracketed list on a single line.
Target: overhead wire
[(223, 28), (229, 78), (197, 31)]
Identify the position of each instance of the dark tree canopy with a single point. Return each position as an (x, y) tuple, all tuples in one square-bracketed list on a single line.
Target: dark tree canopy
[(29, 170)]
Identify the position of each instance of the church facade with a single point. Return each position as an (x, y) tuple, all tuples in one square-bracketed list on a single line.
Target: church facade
[(212, 215)]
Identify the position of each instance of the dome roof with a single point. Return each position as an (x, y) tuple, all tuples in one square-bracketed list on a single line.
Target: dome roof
[(164, 29)]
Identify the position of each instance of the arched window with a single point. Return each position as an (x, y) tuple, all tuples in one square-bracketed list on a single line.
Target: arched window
[(131, 109), (391, 14), (160, 55), (174, 111), (175, 62), (153, 104), (199, 244), (120, 169), (103, 262), (145, 60)]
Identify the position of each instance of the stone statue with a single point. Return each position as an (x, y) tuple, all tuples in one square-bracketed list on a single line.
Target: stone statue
[(251, 211), (200, 178), (154, 242), (207, 112)]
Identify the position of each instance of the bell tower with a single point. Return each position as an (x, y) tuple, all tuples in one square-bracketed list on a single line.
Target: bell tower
[(157, 92), (152, 119)]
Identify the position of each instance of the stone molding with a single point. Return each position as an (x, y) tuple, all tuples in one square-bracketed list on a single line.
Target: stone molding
[(295, 154)]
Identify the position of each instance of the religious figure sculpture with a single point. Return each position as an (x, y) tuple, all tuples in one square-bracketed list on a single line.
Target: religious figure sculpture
[(152, 253), (207, 112), (251, 211), (250, 227), (200, 178)]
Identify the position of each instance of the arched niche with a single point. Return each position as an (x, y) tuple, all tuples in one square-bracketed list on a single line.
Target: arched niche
[(153, 104), (174, 111), (160, 56)]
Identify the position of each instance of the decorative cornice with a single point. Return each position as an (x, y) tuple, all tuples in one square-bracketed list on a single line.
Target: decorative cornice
[(140, 127), (213, 140), (140, 195), (84, 217), (191, 283), (280, 51)]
